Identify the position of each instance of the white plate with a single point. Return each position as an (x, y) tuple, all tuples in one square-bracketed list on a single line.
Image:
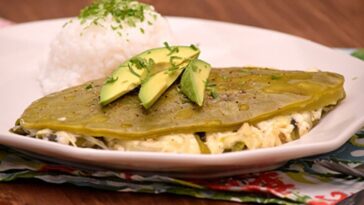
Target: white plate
[(222, 44)]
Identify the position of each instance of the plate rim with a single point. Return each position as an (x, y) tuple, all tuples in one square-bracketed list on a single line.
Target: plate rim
[(165, 157)]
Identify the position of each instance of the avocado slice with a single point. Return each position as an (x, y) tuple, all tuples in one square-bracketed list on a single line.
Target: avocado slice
[(156, 85), (193, 81), (130, 74)]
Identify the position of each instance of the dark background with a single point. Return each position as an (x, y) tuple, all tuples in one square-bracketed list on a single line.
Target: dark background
[(335, 23)]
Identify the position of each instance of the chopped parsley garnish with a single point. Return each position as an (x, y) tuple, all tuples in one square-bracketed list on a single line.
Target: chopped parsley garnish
[(131, 69), (167, 45), (89, 86), (276, 77), (68, 22), (155, 16), (211, 88), (172, 58), (129, 11), (194, 47), (114, 27), (172, 49), (209, 84), (214, 94), (244, 71), (111, 79), (174, 66), (359, 53), (141, 63)]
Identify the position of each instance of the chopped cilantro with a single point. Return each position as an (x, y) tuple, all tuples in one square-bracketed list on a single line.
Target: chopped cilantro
[(155, 16), (151, 63), (129, 11), (172, 58), (244, 71), (131, 22), (208, 84), (167, 45), (89, 86), (214, 94), (359, 53), (111, 79), (194, 47), (172, 49), (68, 22), (173, 67), (142, 30), (141, 63), (276, 77), (114, 27), (211, 88), (131, 69)]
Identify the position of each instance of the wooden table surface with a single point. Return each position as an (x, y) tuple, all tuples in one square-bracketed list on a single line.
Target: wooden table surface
[(335, 23)]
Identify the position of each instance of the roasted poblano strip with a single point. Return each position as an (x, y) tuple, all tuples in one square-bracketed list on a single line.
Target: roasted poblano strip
[(244, 95)]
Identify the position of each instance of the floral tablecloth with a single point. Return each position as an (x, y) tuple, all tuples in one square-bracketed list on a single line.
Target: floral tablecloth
[(302, 181), (319, 180)]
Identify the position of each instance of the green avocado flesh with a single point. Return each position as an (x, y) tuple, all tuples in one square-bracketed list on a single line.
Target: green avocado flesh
[(128, 76), (244, 95), (194, 81), (151, 90)]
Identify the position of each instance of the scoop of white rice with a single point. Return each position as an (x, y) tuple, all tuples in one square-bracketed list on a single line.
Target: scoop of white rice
[(86, 51)]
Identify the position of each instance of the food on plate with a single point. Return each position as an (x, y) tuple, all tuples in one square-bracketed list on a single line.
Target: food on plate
[(143, 69), (155, 70), (105, 34), (193, 81), (242, 109), (155, 85), (164, 99)]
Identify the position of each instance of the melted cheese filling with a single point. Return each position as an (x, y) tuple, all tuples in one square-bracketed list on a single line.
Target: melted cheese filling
[(268, 133)]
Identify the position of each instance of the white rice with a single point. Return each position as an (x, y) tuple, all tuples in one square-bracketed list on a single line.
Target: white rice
[(80, 53)]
